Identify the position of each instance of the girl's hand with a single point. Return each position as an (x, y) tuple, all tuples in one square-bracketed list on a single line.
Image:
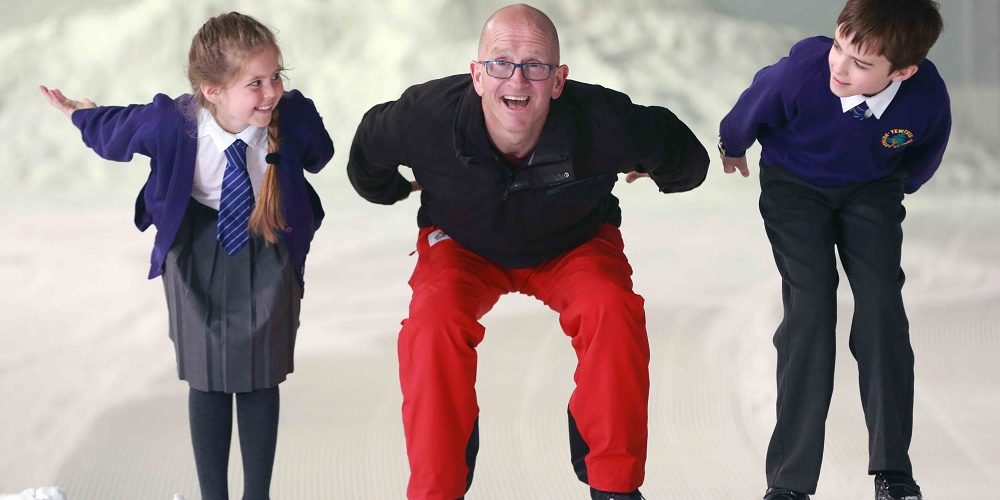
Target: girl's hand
[(64, 104)]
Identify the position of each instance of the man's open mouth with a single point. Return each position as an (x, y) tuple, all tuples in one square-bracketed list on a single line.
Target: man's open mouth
[(515, 101)]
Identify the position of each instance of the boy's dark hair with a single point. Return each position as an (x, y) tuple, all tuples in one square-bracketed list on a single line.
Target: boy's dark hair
[(901, 30)]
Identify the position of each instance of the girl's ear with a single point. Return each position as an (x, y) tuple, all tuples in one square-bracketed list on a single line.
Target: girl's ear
[(211, 92)]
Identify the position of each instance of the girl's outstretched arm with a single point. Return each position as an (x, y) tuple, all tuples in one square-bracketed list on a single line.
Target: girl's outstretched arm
[(117, 132), (63, 103)]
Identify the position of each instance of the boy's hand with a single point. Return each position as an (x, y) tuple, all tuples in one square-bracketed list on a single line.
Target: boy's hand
[(62, 103), (730, 165)]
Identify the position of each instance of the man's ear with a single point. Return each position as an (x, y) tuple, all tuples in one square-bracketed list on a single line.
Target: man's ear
[(476, 70), (560, 73), (903, 74)]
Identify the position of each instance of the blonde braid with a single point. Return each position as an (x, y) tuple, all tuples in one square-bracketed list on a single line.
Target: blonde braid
[(267, 219)]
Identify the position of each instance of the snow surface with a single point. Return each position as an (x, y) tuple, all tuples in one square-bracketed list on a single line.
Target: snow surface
[(44, 493)]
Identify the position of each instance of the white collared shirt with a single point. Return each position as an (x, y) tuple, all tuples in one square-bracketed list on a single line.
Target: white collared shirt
[(210, 163), (877, 103)]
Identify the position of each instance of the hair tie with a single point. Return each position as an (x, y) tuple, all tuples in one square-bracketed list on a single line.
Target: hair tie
[(272, 158)]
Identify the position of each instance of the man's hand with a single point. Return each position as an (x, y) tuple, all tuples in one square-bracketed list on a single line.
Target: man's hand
[(632, 176), (730, 165), (63, 103)]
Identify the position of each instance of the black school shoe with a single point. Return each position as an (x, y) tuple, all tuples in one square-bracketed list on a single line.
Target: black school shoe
[(896, 486), (784, 494), (604, 495)]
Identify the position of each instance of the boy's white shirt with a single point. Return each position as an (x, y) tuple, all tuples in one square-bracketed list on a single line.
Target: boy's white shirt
[(210, 163), (877, 103)]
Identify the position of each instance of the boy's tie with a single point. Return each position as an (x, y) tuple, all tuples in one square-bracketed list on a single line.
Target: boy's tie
[(860, 112), (236, 201)]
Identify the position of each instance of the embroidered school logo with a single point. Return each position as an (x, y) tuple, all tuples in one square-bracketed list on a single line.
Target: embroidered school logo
[(897, 138)]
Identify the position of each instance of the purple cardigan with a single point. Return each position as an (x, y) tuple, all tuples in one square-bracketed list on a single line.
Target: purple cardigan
[(163, 131), (802, 129)]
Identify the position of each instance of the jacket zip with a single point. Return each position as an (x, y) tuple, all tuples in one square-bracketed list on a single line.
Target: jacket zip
[(576, 183)]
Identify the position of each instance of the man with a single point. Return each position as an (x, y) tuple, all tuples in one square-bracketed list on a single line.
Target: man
[(516, 166)]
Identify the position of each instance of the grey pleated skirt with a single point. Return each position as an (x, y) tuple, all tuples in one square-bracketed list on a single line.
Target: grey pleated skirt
[(233, 318)]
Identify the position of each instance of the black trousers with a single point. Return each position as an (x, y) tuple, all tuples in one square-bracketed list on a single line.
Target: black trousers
[(864, 223), (211, 416)]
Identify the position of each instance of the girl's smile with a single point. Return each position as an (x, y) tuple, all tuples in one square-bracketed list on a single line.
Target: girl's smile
[(250, 98)]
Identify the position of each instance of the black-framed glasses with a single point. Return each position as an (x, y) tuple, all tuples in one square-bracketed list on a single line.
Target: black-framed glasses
[(534, 71)]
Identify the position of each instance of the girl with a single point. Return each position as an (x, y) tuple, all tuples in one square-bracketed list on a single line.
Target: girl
[(234, 217)]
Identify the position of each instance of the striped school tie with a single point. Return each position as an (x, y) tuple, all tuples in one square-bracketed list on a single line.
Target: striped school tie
[(860, 112), (236, 202)]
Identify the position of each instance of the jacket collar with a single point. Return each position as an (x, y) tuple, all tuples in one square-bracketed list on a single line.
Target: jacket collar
[(472, 142)]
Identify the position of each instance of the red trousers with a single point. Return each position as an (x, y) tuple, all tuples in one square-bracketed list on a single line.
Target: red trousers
[(591, 289)]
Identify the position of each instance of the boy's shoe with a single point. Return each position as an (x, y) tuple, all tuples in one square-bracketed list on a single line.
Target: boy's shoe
[(604, 495), (896, 486), (784, 494)]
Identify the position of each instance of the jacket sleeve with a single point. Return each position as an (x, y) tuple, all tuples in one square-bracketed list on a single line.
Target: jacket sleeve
[(378, 149), (667, 149), (760, 105), (920, 162), (645, 139), (117, 133), (317, 149)]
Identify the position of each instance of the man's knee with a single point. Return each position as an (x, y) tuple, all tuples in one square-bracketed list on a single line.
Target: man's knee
[(604, 307), (601, 289), (445, 310)]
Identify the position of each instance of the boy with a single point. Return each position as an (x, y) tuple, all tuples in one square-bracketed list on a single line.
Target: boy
[(847, 126)]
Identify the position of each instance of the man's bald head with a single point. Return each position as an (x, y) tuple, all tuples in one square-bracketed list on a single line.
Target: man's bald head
[(519, 15)]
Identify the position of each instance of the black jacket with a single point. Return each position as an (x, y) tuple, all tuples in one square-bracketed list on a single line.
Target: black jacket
[(519, 217)]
